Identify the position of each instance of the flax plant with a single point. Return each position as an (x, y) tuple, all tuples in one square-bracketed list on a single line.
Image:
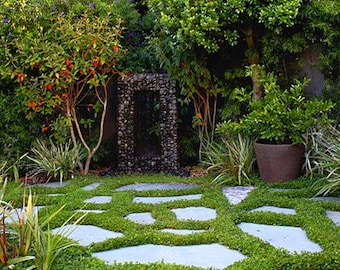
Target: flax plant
[(324, 158), (47, 246), (57, 161), (230, 158)]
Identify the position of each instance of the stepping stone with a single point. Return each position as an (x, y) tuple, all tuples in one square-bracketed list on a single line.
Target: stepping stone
[(235, 195), (90, 211), (274, 209), (195, 213), (141, 218), (182, 232), (17, 213), (335, 216), (209, 256), (86, 234), (91, 186), (156, 200), (160, 186), (99, 199), (331, 199), (54, 184), (294, 239)]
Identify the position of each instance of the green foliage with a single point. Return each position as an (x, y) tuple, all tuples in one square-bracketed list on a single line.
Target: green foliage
[(16, 132), (282, 116), (57, 161), (323, 158), (230, 158)]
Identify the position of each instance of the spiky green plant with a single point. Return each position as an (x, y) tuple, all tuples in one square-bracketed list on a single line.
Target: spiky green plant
[(230, 158), (323, 157), (57, 161), (47, 245)]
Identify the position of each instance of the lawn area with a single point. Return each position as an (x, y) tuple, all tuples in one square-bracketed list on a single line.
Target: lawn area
[(310, 216)]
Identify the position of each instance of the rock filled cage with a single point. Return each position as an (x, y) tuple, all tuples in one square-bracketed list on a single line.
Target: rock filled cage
[(147, 126)]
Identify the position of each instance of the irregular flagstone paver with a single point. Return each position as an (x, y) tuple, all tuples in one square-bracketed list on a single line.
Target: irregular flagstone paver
[(156, 200), (86, 234), (206, 256), (54, 184), (335, 216), (16, 214), (91, 186), (90, 211), (332, 199), (274, 209), (235, 195), (294, 239), (99, 199), (141, 218), (182, 232), (157, 186), (195, 213)]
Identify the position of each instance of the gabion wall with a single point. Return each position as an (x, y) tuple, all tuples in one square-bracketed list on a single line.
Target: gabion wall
[(168, 158)]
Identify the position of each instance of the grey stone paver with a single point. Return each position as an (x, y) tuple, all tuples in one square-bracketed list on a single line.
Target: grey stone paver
[(294, 239), (91, 186), (157, 186), (99, 199), (235, 195), (182, 232), (54, 184), (195, 213), (156, 200), (17, 214), (141, 218), (334, 216), (86, 234), (274, 209), (55, 194), (331, 199), (90, 211), (205, 256)]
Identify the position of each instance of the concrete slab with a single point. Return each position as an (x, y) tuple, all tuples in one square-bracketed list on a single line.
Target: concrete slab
[(182, 232), (141, 218), (156, 200), (14, 215), (235, 195), (99, 199), (209, 256), (335, 216), (90, 211), (294, 239), (157, 186), (331, 199), (86, 234), (274, 209), (195, 213), (91, 186), (54, 184)]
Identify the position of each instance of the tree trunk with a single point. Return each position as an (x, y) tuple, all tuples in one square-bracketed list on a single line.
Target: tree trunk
[(254, 61)]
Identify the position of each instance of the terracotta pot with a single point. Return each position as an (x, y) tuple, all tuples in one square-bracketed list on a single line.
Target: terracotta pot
[(279, 162)]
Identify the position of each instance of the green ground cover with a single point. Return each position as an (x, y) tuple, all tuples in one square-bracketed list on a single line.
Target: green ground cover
[(310, 217)]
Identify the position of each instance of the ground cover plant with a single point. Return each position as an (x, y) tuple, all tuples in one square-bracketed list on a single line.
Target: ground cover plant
[(310, 216)]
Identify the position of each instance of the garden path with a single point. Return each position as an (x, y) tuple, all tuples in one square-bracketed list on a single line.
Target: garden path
[(215, 255)]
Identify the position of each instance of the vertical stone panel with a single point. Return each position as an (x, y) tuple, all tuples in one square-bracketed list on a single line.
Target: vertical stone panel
[(168, 159)]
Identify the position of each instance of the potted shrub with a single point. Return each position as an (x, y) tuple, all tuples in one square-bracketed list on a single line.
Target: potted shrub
[(278, 123)]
